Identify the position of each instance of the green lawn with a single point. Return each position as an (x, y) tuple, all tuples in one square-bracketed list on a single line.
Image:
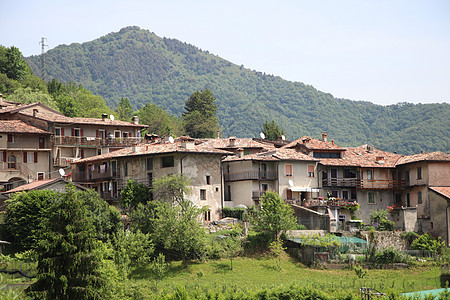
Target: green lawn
[(255, 273)]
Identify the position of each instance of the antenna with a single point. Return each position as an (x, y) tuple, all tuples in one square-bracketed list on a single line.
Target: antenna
[(61, 172), (262, 135), (291, 183), (171, 140), (111, 117), (42, 42)]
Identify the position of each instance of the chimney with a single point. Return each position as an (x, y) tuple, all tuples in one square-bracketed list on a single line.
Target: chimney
[(380, 160), (332, 142), (35, 111), (104, 116), (232, 141), (188, 144), (135, 120), (324, 136), (240, 152)]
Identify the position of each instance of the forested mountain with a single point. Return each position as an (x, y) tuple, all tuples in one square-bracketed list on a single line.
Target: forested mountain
[(138, 65)]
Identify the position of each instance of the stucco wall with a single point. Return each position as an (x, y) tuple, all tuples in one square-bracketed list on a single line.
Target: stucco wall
[(439, 223), (383, 198)]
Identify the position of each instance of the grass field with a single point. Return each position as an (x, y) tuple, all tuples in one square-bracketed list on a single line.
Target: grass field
[(260, 272)]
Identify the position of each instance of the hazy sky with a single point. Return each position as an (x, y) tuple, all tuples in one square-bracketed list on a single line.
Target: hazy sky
[(383, 51)]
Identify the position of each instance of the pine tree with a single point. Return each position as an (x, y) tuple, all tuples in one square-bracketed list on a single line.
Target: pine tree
[(68, 256), (200, 120)]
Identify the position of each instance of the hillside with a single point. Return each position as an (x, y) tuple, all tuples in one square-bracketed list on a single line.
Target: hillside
[(143, 67)]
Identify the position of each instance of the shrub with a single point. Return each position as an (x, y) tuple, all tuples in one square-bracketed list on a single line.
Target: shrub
[(390, 256), (233, 212), (428, 243)]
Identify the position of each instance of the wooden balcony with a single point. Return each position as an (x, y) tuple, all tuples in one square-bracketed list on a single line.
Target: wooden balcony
[(370, 184), (340, 182), (93, 142), (96, 175), (251, 175)]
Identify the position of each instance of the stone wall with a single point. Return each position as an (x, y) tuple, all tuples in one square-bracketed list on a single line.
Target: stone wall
[(386, 239), (297, 233)]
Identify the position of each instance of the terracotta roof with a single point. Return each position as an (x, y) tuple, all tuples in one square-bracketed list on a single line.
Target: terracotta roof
[(365, 157), (86, 121), (433, 156), (156, 148), (17, 126), (227, 143), (274, 155), (17, 107), (313, 144), (443, 190), (38, 184)]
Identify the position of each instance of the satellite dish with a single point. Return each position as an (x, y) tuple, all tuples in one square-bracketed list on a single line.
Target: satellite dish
[(111, 117), (171, 140), (262, 135), (291, 183), (61, 172), (283, 137)]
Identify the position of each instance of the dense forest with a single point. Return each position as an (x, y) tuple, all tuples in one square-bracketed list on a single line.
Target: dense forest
[(138, 65)]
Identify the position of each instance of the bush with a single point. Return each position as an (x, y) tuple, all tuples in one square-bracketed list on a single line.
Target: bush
[(233, 212), (428, 243), (390, 256)]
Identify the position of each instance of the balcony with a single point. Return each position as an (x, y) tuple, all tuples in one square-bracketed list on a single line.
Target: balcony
[(63, 161), (96, 174), (387, 184), (93, 142), (251, 175), (340, 182)]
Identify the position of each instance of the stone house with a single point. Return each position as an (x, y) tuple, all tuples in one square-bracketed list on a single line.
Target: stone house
[(108, 173)]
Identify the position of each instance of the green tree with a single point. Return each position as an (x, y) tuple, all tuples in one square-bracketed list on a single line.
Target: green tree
[(232, 248), (12, 63), (274, 215), (172, 188), (28, 95), (271, 130), (69, 259), (124, 110), (379, 219), (159, 268), (133, 194), (159, 121), (200, 120)]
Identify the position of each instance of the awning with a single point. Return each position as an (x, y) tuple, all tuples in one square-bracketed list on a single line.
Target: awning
[(303, 189)]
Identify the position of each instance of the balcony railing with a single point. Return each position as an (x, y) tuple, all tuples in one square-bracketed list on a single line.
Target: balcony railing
[(364, 183), (94, 142), (63, 161), (251, 175), (343, 182), (96, 174)]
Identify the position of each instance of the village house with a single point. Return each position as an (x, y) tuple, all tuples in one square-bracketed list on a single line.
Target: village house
[(108, 173), (38, 140)]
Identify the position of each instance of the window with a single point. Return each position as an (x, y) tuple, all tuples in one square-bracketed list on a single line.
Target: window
[(76, 132), (345, 195), (288, 170), (115, 189), (288, 194), (207, 215), (40, 176), (202, 194), (408, 200), (28, 157), (41, 143), (117, 133), (419, 173), (101, 134), (125, 169), (419, 197), (208, 179), (58, 131), (11, 162), (149, 163), (311, 172), (150, 179), (335, 194), (333, 173), (125, 135), (167, 161), (371, 198), (228, 193), (369, 174), (10, 138)]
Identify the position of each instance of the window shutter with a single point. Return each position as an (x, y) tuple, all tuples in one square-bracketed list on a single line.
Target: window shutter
[(73, 132), (62, 131), (81, 132), (35, 157), (311, 168), (4, 156), (97, 133), (82, 153), (24, 157)]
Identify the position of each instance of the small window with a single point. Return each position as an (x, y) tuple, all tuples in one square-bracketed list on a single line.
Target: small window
[(40, 176), (99, 151), (311, 172), (419, 197), (167, 161), (208, 179), (371, 198), (288, 194), (58, 131), (419, 173), (11, 162), (10, 138), (369, 175), (76, 132), (408, 200), (125, 135), (149, 163), (117, 133), (30, 157), (125, 169), (335, 194), (207, 215), (202, 194), (288, 170)]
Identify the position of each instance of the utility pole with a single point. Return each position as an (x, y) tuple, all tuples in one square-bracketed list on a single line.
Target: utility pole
[(42, 42)]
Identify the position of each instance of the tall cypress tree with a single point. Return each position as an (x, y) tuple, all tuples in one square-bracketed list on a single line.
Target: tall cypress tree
[(200, 120), (68, 257)]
